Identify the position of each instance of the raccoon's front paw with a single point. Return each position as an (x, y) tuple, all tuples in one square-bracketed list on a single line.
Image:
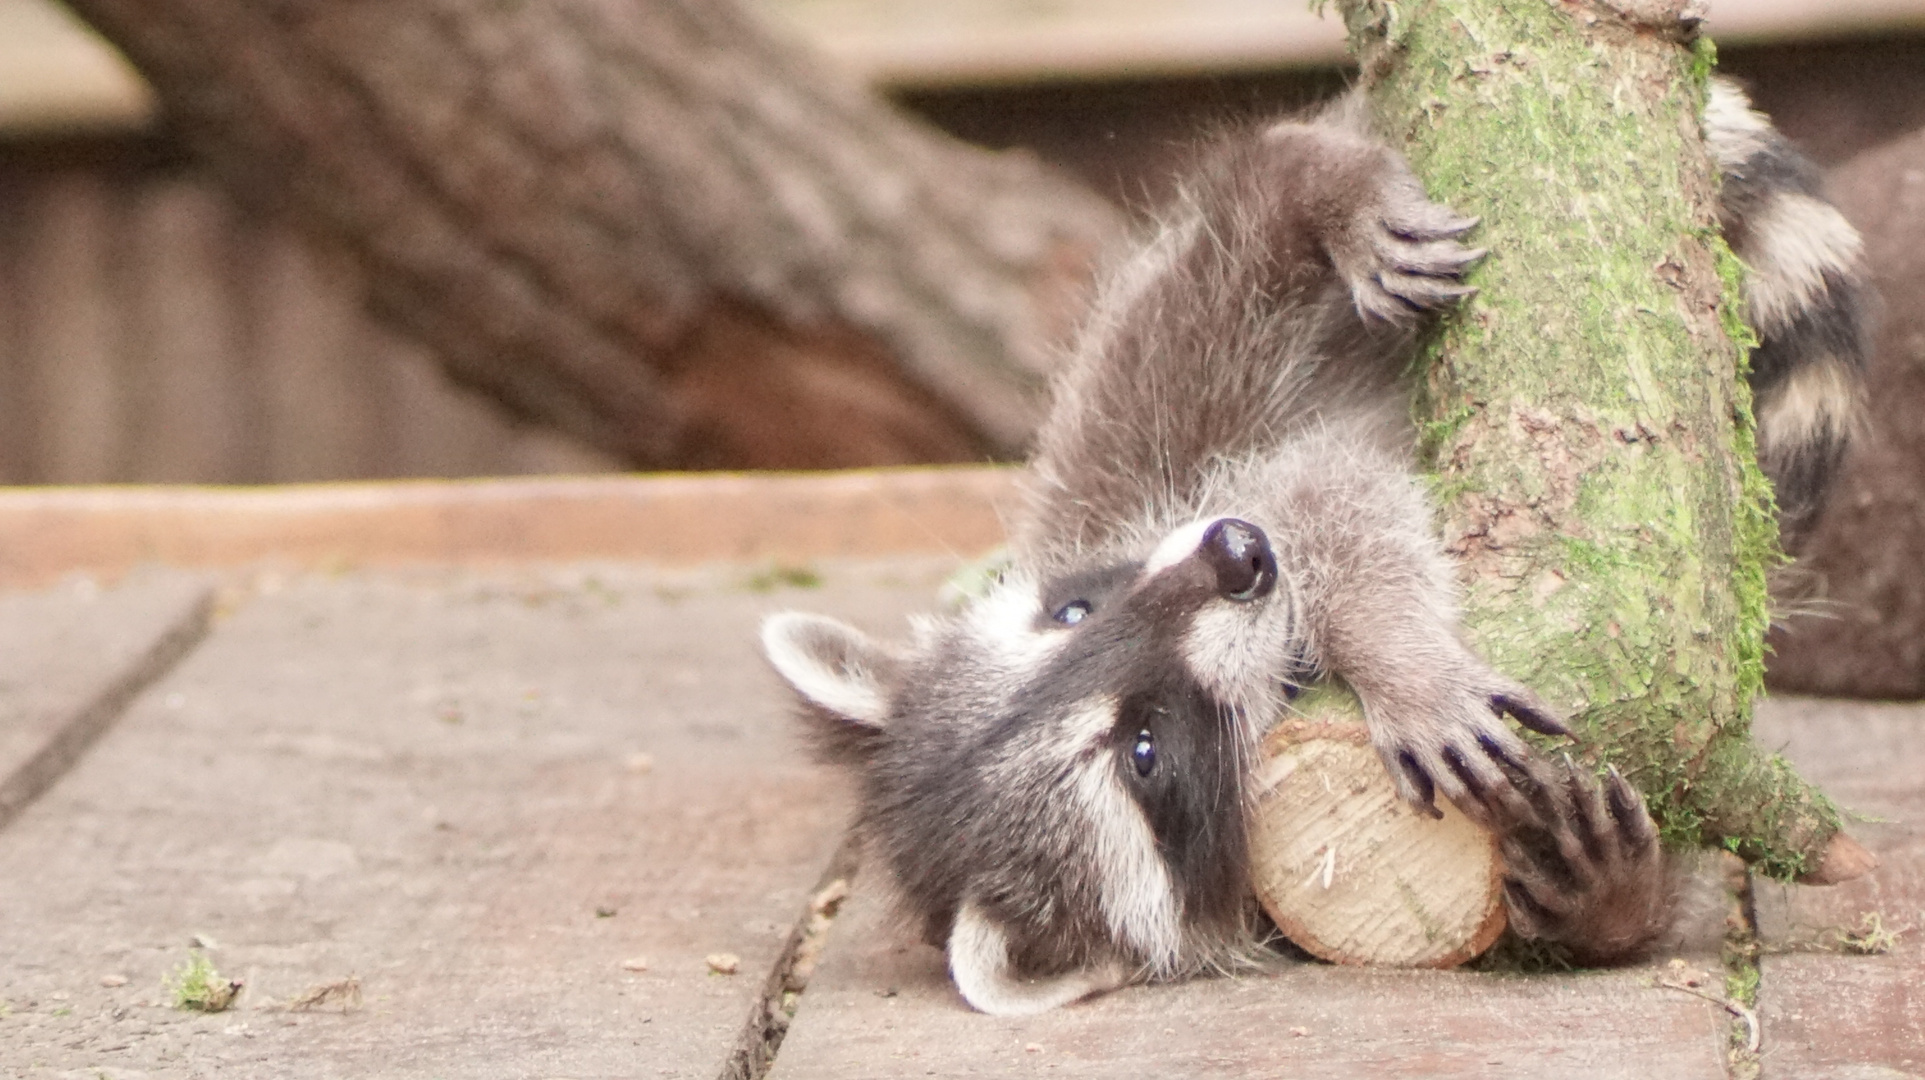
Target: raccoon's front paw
[(1582, 864), (1400, 253), (1457, 743)]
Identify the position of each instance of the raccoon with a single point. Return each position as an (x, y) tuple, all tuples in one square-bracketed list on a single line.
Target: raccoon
[(1220, 508)]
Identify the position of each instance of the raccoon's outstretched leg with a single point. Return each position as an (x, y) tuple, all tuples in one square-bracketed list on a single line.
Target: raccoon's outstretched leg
[(1582, 863), (1286, 286), (1373, 596)]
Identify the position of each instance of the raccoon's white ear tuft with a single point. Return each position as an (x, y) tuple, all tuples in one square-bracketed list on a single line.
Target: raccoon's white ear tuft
[(832, 665), (979, 962)]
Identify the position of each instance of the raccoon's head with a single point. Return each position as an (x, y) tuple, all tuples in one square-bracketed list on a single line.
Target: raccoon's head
[(1054, 776)]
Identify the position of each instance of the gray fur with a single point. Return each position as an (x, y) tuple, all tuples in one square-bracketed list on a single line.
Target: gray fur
[(1810, 301), (1220, 506)]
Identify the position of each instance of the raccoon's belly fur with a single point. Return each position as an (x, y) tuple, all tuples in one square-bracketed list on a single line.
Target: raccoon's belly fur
[(1221, 506)]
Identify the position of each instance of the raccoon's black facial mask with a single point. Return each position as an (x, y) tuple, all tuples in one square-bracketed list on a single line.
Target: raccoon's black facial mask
[(1176, 749), (1073, 598), (1179, 755)]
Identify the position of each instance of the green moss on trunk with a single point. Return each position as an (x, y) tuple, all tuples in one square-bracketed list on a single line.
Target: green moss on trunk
[(1584, 414)]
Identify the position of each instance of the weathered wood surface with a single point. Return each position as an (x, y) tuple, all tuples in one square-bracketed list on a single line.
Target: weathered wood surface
[(72, 656), (519, 811), (1843, 968), (881, 1005)]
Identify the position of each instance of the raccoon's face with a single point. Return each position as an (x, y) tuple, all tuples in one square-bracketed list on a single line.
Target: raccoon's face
[(1055, 776)]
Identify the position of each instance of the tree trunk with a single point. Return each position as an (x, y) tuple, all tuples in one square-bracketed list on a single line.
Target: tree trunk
[(1584, 414), (649, 224)]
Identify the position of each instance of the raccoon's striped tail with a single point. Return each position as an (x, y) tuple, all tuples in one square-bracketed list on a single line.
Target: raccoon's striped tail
[(1808, 300)]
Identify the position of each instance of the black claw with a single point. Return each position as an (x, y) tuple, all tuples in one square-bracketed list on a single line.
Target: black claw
[(1532, 786), (1496, 752), (1440, 227), (1426, 790), (1536, 919), (1634, 824), (1536, 853), (1581, 797), (1529, 715), (1463, 772), (1624, 805), (1421, 292)]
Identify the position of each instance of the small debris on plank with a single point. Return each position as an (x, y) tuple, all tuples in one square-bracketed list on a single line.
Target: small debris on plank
[(1871, 938), (779, 576), (1685, 975), (197, 987), (724, 963), (830, 898), (635, 963), (342, 994), (111, 981)]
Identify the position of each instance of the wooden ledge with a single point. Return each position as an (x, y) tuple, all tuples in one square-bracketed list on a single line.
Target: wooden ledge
[(683, 519)]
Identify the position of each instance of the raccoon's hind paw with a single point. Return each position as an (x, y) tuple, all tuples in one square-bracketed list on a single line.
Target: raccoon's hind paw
[(1403, 258), (1583, 866)]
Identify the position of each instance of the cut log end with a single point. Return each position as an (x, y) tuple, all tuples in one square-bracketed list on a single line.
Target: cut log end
[(1842, 860), (1352, 874)]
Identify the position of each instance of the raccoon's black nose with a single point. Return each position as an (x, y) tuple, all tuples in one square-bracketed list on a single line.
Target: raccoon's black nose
[(1240, 554)]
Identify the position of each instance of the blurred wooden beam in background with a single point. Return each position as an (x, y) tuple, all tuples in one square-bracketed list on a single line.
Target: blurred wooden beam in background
[(57, 75)]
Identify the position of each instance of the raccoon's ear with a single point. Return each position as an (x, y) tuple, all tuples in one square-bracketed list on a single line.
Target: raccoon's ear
[(979, 962), (834, 666)]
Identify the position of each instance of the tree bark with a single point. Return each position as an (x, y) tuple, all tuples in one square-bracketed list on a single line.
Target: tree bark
[(653, 225), (1584, 414)]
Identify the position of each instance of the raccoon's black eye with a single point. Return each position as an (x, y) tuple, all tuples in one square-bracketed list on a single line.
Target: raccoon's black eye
[(1143, 754), (1073, 612)]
